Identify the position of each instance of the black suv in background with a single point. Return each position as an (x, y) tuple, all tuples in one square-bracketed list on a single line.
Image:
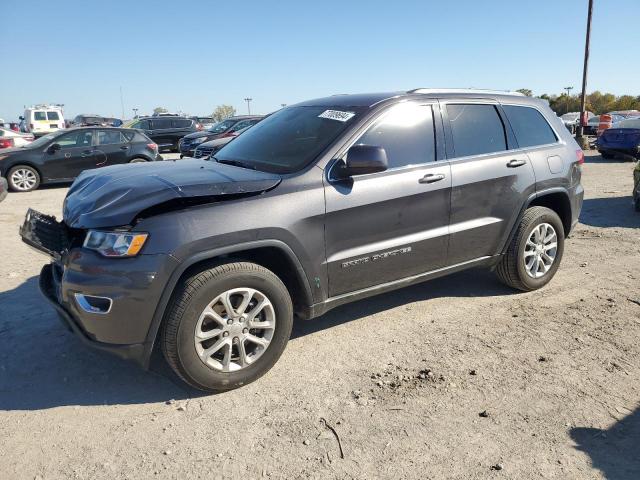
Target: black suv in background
[(226, 128), (322, 203), (95, 121), (62, 155), (166, 131)]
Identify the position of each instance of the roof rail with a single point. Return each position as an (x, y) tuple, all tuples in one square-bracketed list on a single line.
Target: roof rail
[(464, 90)]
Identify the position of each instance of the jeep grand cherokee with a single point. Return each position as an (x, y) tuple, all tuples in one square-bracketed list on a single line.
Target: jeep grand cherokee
[(322, 203)]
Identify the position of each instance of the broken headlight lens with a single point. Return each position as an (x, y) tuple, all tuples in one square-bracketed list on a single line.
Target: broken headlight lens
[(115, 244)]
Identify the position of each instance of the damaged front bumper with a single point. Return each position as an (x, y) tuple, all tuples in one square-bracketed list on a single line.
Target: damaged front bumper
[(132, 286)]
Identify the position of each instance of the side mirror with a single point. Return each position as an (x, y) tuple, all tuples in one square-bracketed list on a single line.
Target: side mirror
[(53, 148), (363, 159)]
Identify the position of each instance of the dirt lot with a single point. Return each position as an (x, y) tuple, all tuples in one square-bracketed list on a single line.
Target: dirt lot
[(403, 379)]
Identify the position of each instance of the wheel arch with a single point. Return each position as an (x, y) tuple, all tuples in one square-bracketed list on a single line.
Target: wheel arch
[(274, 255)]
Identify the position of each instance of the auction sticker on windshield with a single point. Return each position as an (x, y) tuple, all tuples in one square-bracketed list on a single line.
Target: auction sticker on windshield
[(337, 115)]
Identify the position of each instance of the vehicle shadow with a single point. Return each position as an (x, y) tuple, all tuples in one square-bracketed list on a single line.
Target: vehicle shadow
[(42, 364), (469, 283), (614, 451), (609, 212)]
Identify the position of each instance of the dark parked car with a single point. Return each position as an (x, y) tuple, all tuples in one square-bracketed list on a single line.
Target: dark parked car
[(320, 204), (165, 130), (622, 139), (204, 122), (206, 149), (225, 128), (62, 155), (95, 121)]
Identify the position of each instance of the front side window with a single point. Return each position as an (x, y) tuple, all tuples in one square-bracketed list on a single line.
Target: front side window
[(476, 129), (529, 126), (406, 133), (161, 123), (109, 137), (53, 116), (142, 125), (241, 125), (80, 138), (290, 139), (39, 115)]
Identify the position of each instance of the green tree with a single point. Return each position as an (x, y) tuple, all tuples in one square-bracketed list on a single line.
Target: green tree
[(525, 91), (223, 111), (160, 110)]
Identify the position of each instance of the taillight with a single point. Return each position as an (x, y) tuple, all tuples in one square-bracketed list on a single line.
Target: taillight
[(199, 126), (152, 146), (6, 142), (579, 157)]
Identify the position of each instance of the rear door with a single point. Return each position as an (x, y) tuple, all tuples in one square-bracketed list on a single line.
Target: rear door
[(76, 154), (390, 225), (161, 131), (111, 147), (490, 179)]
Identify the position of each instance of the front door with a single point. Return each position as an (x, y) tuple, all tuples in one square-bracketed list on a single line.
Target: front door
[(390, 225), (75, 154)]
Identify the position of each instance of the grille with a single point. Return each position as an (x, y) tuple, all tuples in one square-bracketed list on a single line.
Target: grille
[(45, 233)]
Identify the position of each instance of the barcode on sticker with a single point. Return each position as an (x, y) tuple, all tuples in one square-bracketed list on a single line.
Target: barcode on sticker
[(337, 115)]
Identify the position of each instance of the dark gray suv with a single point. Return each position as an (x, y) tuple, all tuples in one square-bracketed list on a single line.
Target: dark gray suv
[(320, 204)]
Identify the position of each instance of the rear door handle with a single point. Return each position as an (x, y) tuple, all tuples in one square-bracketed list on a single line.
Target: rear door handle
[(432, 178), (86, 153), (124, 147), (516, 163)]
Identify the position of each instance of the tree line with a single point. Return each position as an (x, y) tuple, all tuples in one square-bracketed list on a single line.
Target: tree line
[(596, 102)]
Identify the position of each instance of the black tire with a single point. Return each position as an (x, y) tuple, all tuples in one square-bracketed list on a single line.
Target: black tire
[(16, 187), (636, 204), (138, 160), (606, 156), (511, 270), (194, 294)]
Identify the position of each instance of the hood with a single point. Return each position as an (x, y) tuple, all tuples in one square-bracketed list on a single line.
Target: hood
[(217, 142), (201, 134), (7, 151), (114, 196)]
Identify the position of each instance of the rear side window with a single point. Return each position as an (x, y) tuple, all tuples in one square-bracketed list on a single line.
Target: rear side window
[(39, 116), (476, 129), (53, 116), (109, 137), (406, 133), (529, 126), (160, 123), (181, 123)]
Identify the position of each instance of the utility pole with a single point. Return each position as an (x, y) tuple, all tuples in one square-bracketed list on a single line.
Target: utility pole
[(584, 76), (248, 100), (568, 89)]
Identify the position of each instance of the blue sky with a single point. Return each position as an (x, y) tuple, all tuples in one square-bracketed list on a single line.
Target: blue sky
[(195, 55)]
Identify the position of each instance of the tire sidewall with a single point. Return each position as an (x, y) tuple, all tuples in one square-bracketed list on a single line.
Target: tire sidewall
[(19, 167), (551, 218), (190, 362)]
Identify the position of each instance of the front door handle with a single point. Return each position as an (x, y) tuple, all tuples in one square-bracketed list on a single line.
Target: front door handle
[(432, 178), (86, 153), (515, 163), (124, 147)]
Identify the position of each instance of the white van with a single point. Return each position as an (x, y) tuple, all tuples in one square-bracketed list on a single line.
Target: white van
[(43, 119)]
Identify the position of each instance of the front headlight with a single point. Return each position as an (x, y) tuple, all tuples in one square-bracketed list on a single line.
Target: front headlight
[(199, 140), (115, 244)]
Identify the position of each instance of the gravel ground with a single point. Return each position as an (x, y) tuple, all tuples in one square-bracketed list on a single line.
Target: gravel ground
[(456, 378)]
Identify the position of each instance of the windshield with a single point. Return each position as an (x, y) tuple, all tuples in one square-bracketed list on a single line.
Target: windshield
[(43, 140), (290, 139), (222, 126), (628, 123)]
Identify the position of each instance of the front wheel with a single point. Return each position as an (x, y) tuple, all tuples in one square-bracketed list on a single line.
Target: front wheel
[(534, 255), (227, 326), (23, 178)]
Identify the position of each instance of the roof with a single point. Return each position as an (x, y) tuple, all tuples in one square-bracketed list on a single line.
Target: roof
[(371, 99)]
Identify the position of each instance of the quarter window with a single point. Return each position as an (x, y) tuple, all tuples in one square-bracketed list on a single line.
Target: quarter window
[(476, 129), (406, 133), (529, 126)]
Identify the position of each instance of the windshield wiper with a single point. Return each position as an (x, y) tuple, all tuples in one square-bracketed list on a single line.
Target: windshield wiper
[(235, 163)]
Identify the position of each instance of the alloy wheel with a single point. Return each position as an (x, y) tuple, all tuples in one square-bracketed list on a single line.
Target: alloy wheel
[(540, 250), (23, 179), (235, 329)]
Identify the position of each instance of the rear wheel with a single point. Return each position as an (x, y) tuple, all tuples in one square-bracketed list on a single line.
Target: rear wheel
[(23, 178), (534, 255), (138, 160), (227, 326)]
